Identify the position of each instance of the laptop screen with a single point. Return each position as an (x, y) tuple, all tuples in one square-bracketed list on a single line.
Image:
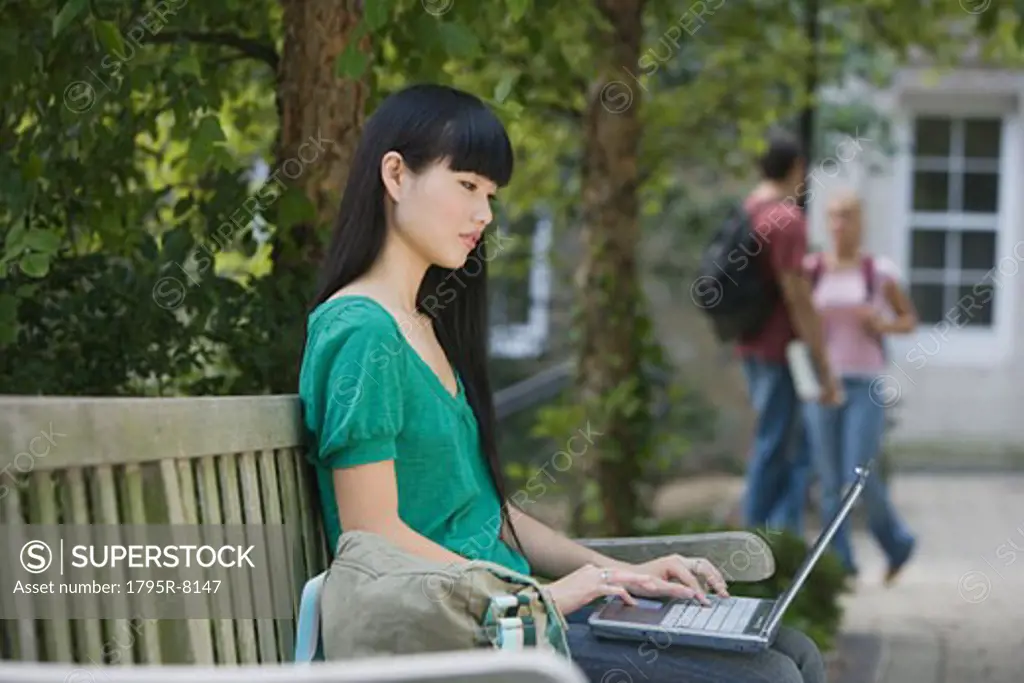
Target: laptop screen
[(818, 549)]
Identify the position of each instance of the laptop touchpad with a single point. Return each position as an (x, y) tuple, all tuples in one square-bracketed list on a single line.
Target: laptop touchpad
[(646, 611)]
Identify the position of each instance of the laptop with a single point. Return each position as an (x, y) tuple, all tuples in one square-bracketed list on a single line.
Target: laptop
[(736, 624)]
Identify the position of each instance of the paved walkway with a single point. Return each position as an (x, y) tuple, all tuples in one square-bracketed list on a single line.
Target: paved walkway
[(957, 613)]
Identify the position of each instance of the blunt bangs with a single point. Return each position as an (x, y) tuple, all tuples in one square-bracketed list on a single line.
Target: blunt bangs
[(475, 141)]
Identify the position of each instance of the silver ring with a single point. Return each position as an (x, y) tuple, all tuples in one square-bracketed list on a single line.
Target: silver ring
[(604, 576)]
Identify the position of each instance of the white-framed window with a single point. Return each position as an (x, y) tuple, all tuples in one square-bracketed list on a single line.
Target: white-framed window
[(955, 219), (952, 218), (520, 289)]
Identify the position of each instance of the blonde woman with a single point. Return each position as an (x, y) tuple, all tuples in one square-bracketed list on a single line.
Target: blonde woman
[(861, 301)]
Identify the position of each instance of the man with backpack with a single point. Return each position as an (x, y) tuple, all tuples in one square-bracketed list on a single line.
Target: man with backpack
[(754, 289)]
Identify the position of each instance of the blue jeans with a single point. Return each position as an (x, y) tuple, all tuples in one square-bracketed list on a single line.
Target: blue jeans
[(788, 512), (779, 467), (793, 658), (843, 437)]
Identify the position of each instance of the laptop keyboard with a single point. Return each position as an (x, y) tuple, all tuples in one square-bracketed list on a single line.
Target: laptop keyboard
[(723, 615)]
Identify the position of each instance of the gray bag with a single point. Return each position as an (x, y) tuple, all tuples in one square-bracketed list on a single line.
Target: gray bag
[(378, 599)]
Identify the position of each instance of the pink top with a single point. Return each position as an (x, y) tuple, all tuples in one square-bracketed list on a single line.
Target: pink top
[(837, 297)]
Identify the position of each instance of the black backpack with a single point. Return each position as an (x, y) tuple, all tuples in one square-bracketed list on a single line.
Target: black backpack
[(731, 286)]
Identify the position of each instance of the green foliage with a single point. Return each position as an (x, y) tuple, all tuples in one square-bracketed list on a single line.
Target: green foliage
[(816, 610), (130, 129), (135, 129), (130, 151)]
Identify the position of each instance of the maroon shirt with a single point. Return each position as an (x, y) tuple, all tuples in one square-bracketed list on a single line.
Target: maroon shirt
[(782, 231)]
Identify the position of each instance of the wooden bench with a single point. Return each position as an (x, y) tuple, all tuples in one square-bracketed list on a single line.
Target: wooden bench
[(219, 460)]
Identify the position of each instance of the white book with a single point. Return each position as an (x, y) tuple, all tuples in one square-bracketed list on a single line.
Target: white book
[(801, 367)]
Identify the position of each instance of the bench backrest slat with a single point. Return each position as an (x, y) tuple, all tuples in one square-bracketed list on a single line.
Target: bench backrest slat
[(117, 461)]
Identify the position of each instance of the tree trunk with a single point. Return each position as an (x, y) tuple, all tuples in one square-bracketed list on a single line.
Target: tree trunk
[(807, 115), (609, 293), (321, 115)]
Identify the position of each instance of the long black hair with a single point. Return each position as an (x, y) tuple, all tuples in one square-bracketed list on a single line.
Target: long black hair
[(428, 124)]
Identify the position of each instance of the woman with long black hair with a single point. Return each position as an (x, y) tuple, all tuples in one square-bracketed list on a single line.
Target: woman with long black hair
[(396, 397)]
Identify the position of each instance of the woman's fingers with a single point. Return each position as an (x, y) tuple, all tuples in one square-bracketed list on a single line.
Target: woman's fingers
[(623, 576), (711, 574), (690, 592), (679, 590), (679, 572), (633, 582), (634, 579), (647, 586), (609, 589), (651, 586)]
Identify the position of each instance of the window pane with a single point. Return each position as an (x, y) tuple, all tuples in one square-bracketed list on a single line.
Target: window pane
[(928, 302), (509, 284), (931, 137), (981, 192), (931, 191), (928, 249), (982, 138), (975, 303), (977, 250)]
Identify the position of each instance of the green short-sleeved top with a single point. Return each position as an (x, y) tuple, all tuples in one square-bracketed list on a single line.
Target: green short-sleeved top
[(368, 396)]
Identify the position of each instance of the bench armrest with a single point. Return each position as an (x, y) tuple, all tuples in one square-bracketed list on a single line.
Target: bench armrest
[(739, 555)]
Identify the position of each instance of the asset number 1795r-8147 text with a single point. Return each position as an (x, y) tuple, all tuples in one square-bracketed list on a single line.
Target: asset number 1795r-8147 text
[(169, 586)]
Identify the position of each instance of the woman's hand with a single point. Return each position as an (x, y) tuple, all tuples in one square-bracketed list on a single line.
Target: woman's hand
[(874, 323), (832, 393), (687, 570), (589, 583)]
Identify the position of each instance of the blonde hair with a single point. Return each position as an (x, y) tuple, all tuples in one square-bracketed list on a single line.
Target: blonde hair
[(846, 198)]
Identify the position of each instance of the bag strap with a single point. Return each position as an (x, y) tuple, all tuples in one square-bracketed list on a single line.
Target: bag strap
[(506, 609), (817, 269), (867, 265)]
